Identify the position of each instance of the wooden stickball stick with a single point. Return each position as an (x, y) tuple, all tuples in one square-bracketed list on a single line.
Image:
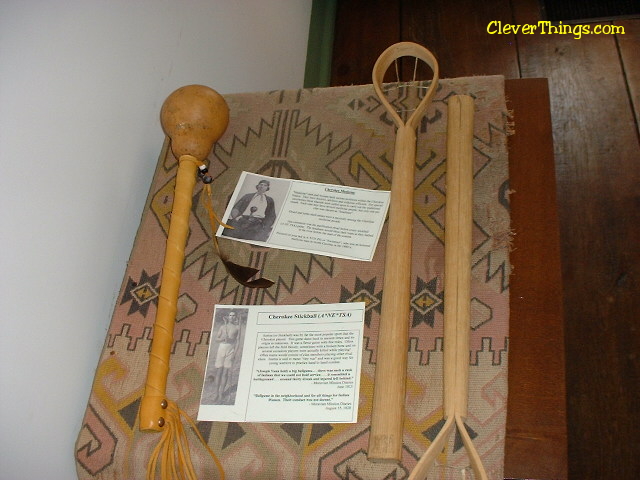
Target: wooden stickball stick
[(460, 154), (387, 416), (457, 285), (457, 269)]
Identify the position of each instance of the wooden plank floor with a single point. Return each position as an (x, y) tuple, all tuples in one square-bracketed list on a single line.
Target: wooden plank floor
[(595, 99)]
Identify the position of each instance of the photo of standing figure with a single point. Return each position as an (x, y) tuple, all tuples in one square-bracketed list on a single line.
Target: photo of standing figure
[(221, 382)]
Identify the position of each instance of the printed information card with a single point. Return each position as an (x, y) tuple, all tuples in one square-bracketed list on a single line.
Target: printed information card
[(289, 363), (319, 218)]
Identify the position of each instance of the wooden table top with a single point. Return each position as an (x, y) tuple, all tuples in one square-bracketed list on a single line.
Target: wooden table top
[(536, 441)]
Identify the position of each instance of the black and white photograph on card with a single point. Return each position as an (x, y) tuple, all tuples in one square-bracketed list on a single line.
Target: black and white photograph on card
[(225, 359), (254, 211)]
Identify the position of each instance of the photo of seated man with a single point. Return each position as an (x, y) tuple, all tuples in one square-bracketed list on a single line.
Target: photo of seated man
[(253, 215)]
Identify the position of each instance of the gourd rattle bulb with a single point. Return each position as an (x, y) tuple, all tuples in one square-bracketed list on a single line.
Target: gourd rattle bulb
[(194, 117)]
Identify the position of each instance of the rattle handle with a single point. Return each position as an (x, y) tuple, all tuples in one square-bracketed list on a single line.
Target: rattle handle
[(458, 245), (385, 443), (151, 409)]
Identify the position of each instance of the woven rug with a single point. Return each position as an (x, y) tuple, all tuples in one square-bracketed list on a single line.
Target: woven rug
[(340, 136)]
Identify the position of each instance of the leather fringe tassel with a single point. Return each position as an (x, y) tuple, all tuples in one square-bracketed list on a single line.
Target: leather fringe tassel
[(172, 455)]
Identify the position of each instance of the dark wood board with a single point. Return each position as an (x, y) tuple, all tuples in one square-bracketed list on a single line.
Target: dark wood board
[(598, 173), (363, 30), (536, 442), (629, 44), (457, 34)]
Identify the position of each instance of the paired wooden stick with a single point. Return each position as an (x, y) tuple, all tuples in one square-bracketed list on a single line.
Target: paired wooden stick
[(457, 285), (385, 440)]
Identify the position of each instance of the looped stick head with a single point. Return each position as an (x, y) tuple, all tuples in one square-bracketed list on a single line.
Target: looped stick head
[(390, 56), (194, 117)]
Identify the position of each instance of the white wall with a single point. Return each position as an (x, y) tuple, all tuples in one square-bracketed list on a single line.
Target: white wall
[(81, 85)]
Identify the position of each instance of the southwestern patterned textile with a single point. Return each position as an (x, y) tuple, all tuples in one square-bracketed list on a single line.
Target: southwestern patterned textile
[(341, 136)]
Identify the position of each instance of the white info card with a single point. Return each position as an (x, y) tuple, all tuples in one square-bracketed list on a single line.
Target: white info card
[(333, 220), (284, 363)]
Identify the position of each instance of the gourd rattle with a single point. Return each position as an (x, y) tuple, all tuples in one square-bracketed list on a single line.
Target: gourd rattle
[(193, 117)]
